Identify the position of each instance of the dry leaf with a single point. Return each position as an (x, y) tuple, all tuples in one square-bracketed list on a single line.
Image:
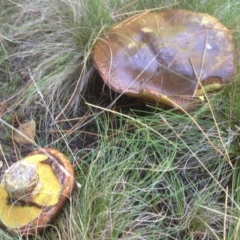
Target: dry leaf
[(27, 129)]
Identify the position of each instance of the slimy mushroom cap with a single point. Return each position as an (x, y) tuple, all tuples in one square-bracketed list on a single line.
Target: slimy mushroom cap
[(169, 57)]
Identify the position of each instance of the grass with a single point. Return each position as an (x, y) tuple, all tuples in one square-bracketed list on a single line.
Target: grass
[(146, 173)]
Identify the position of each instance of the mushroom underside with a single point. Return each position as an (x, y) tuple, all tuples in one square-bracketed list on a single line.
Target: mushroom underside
[(31, 212)]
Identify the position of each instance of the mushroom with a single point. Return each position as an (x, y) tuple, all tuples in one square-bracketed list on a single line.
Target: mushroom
[(34, 190), (171, 57)]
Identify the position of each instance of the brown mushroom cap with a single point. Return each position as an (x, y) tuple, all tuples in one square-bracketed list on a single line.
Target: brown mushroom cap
[(31, 214), (167, 57)]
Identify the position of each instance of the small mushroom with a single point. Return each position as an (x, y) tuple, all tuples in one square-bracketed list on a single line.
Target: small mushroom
[(169, 57), (34, 190)]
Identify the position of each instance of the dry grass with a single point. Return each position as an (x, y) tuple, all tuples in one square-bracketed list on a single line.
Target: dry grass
[(146, 173)]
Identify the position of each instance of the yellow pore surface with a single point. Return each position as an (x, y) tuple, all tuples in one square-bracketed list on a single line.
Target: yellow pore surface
[(208, 88), (13, 216)]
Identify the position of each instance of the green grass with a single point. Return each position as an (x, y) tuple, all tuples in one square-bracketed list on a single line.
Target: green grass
[(146, 173)]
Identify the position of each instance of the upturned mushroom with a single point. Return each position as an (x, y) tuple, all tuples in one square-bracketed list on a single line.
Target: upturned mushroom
[(34, 190), (172, 57)]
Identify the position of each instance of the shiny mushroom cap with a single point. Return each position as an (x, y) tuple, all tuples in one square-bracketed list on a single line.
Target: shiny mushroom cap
[(169, 57), (34, 190)]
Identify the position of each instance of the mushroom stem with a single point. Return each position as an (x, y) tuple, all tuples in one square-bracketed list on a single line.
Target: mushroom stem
[(21, 180)]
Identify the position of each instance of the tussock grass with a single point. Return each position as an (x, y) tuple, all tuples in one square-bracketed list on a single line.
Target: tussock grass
[(49, 44), (135, 183), (146, 173)]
